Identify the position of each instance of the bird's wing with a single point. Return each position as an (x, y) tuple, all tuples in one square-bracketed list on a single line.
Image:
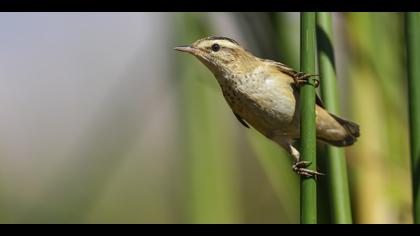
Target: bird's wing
[(282, 67), (293, 73), (241, 120)]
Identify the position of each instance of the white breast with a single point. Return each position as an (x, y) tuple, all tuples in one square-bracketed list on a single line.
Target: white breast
[(264, 101)]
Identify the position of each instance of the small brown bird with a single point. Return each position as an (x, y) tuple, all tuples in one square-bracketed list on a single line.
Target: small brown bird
[(265, 95)]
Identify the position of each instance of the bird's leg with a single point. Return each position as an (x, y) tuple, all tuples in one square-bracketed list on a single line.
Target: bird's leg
[(300, 166), (303, 78)]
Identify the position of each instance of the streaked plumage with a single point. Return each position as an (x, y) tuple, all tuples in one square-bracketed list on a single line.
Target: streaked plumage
[(265, 94)]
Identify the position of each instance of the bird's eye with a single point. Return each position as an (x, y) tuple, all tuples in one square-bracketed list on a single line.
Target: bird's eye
[(215, 47)]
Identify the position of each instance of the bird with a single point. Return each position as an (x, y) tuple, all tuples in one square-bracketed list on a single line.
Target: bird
[(264, 94)]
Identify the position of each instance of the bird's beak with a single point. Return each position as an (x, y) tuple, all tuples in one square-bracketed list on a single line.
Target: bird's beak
[(189, 49)]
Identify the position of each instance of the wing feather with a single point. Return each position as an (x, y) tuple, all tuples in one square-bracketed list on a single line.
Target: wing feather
[(293, 73), (241, 120)]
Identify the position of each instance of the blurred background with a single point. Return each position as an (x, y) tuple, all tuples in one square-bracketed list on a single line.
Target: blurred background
[(103, 122)]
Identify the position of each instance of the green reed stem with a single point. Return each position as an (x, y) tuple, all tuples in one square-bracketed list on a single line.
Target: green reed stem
[(336, 162), (308, 207), (413, 62)]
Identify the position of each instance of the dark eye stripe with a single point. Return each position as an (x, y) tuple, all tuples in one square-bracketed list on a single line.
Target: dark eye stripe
[(222, 38)]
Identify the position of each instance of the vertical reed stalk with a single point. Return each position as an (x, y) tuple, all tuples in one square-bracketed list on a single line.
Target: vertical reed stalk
[(413, 62), (308, 207), (335, 159)]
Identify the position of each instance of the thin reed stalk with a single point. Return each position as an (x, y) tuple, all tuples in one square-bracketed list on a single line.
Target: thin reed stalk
[(413, 62), (308, 201), (335, 159)]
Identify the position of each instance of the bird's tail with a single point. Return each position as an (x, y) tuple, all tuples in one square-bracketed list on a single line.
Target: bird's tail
[(353, 132)]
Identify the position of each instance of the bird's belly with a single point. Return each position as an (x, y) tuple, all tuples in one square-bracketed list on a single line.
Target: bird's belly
[(268, 108)]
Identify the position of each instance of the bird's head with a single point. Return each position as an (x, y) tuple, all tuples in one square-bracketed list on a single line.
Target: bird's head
[(221, 55)]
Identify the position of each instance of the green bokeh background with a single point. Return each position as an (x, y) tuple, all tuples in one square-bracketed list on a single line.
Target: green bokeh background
[(159, 144)]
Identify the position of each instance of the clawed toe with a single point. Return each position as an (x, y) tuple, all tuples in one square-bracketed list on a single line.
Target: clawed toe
[(299, 168), (301, 164), (303, 78)]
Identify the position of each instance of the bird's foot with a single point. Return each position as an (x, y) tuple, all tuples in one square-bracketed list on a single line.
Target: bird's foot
[(300, 168), (303, 78)]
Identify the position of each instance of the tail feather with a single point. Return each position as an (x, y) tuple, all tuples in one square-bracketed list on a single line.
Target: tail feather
[(353, 132)]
